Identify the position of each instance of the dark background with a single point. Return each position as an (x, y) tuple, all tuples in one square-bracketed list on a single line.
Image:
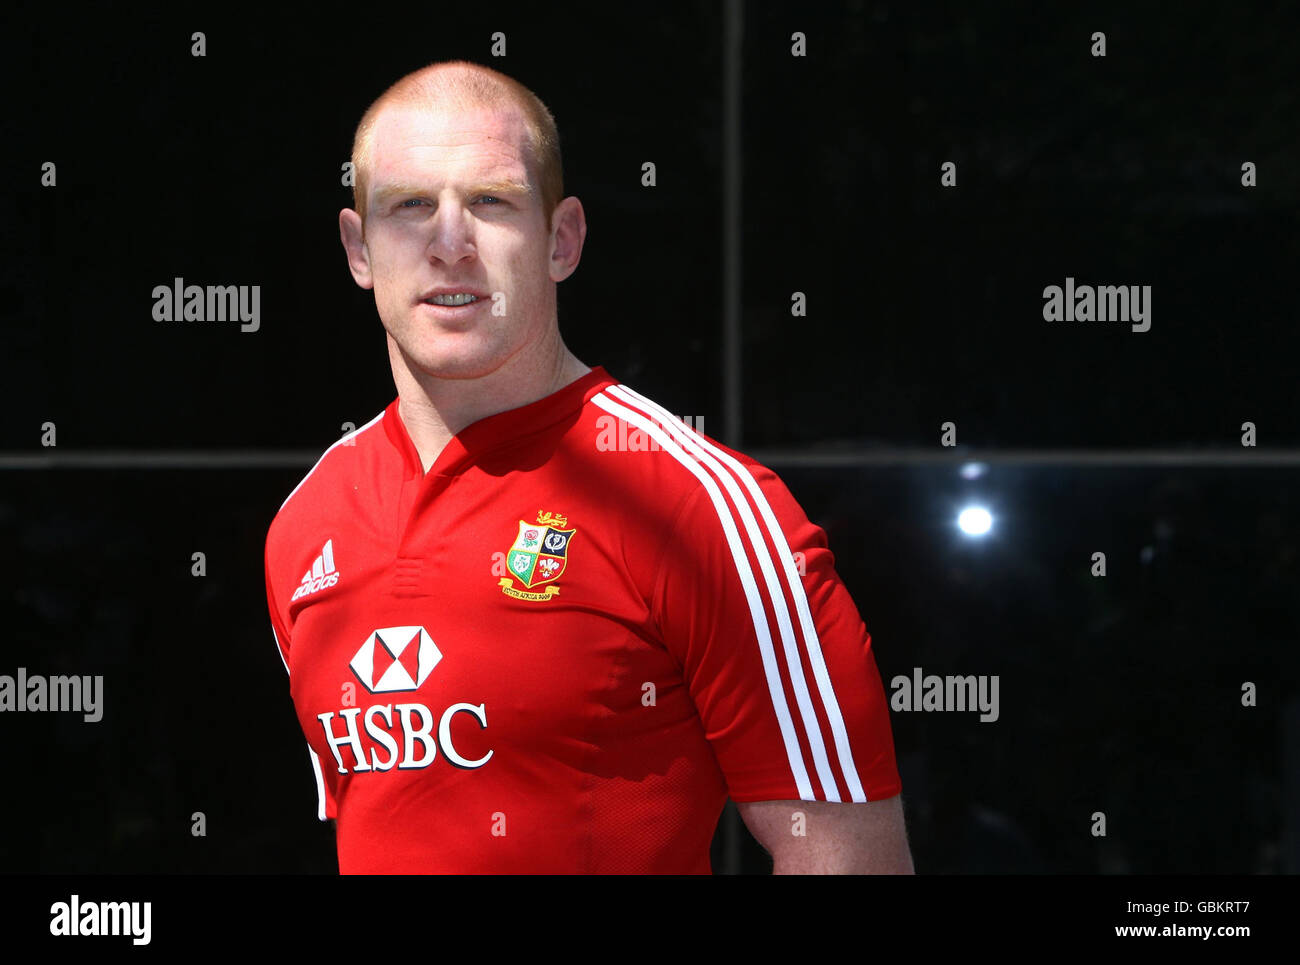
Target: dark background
[(1119, 694)]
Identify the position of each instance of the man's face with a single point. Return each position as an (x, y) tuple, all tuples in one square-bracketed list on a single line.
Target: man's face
[(453, 207)]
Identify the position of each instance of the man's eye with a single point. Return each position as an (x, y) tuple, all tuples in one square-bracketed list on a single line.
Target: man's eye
[(412, 202)]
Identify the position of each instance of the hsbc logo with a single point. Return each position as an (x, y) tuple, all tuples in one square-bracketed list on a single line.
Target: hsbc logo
[(400, 735), (395, 659)]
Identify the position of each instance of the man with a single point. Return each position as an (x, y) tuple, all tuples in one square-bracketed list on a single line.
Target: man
[(532, 623)]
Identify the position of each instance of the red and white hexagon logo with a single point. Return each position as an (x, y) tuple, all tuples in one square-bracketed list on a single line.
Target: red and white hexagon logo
[(395, 658)]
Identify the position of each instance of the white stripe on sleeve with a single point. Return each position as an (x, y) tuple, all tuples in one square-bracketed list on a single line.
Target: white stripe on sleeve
[(770, 668), (315, 761), (320, 784), (815, 657), (790, 644)]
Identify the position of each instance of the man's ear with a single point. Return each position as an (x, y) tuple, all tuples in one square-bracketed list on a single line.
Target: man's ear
[(355, 246), (568, 232)]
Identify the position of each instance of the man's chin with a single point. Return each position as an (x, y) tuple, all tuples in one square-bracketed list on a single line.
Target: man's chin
[(444, 356), (458, 367)]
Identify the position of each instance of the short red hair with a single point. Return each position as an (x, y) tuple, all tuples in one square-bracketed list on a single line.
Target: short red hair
[(463, 85)]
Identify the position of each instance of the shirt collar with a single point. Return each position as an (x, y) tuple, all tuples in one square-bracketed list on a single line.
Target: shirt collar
[(495, 431)]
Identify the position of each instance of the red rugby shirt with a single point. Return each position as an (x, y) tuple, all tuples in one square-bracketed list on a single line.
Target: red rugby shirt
[(564, 646)]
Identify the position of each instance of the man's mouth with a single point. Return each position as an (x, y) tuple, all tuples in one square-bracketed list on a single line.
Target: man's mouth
[(451, 300)]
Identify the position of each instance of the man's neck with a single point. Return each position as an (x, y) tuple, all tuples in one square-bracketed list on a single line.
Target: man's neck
[(433, 409)]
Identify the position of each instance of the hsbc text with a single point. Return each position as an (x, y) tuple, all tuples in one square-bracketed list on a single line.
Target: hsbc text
[(414, 726)]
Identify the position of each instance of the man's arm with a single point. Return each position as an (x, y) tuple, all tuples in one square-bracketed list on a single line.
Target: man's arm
[(836, 838)]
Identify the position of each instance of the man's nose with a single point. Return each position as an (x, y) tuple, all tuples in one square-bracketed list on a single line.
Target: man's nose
[(452, 237)]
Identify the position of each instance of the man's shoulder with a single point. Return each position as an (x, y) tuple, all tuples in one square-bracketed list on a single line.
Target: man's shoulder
[(332, 475), (659, 448), (669, 469)]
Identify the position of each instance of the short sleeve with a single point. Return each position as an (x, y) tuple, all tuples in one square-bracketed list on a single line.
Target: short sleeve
[(772, 648), (325, 804)]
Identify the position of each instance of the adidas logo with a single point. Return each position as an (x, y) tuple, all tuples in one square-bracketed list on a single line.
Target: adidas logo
[(321, 574)]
